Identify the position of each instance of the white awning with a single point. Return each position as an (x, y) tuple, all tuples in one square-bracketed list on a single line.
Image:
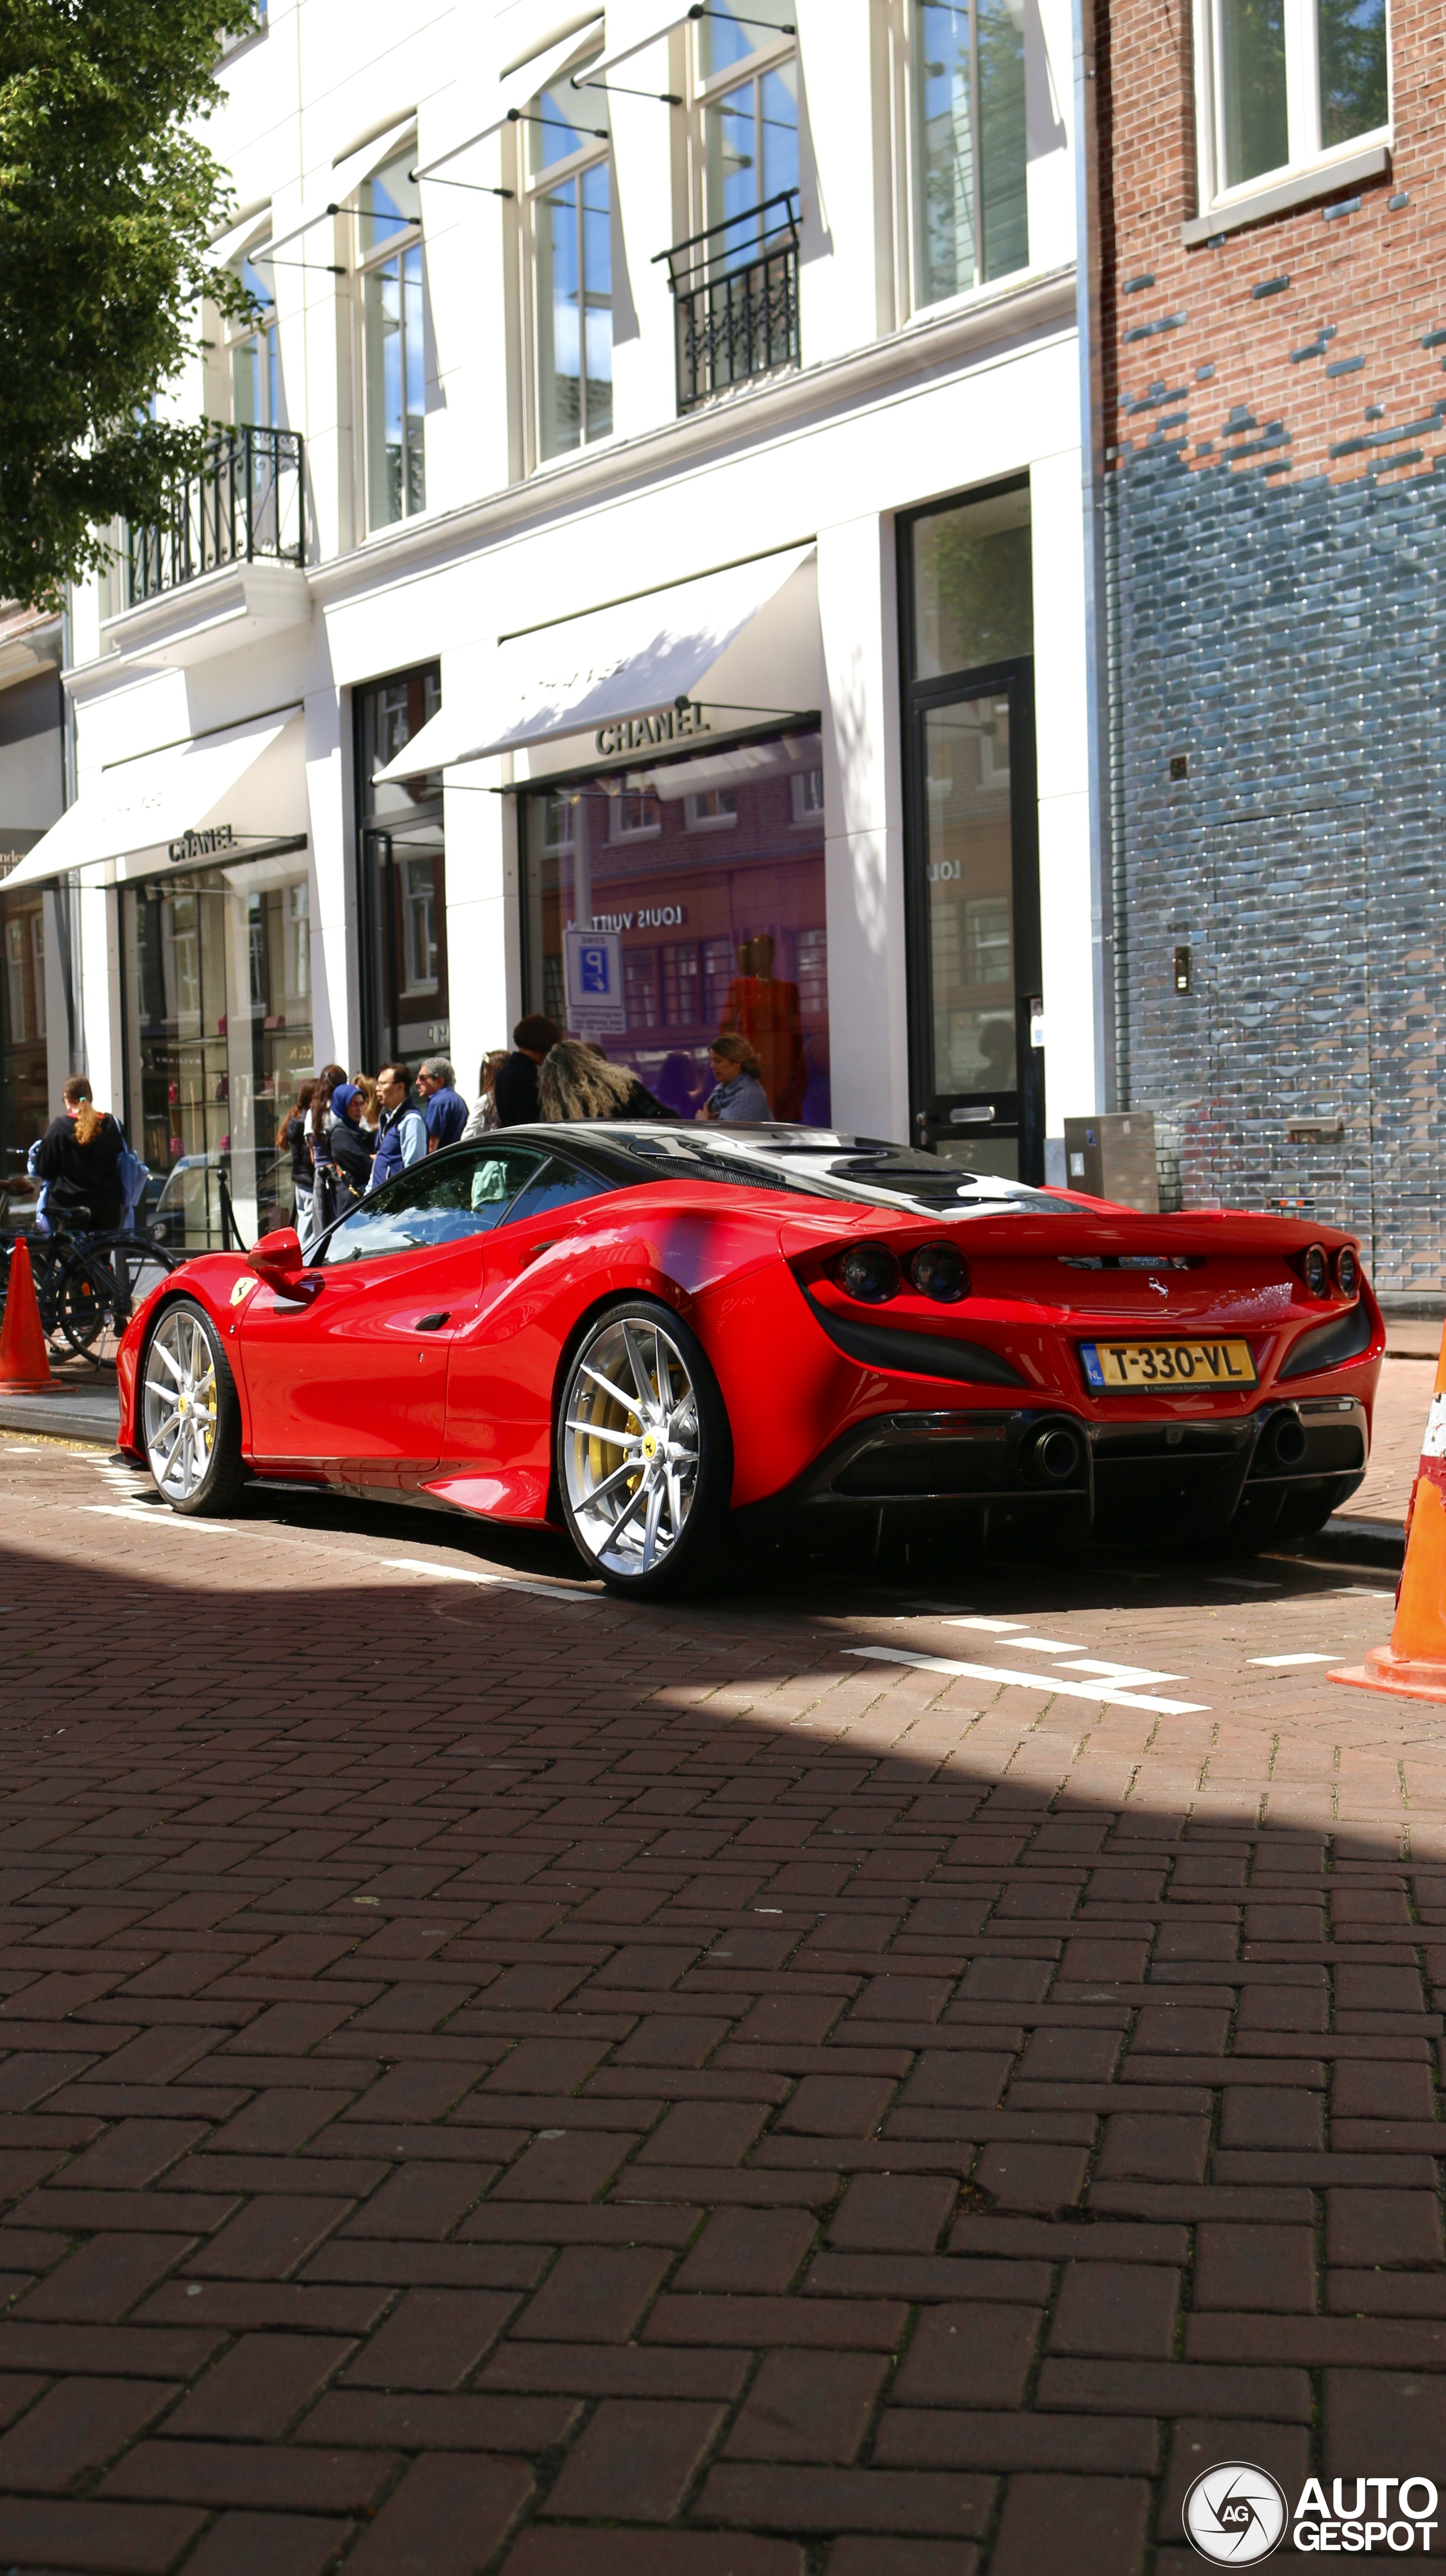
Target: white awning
[(614, 665), (238, 235), (196, 804), (632, 24), (524, 82), (346, 177)]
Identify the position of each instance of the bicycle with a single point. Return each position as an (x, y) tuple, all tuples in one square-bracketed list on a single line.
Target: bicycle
[(85, 1284)]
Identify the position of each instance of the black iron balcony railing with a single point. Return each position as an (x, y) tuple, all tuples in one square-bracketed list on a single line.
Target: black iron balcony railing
[(735, 290), (245, 503)]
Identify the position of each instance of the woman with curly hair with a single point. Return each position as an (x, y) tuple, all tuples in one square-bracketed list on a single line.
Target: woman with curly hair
[(577, 1081)]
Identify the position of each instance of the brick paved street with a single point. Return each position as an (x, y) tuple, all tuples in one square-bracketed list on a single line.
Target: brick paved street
[(496, 2078)]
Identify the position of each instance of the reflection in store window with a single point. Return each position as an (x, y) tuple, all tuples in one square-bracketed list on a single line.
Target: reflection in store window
[(420, 919), (719, 906), (215, 974)]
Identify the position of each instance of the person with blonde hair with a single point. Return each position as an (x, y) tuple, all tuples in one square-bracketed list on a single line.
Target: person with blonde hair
[(738, 1098), (79, 1156), (577, 1081), (482, 1118)]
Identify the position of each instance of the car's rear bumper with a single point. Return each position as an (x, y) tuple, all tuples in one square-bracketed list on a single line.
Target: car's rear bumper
[(1152, 1470)]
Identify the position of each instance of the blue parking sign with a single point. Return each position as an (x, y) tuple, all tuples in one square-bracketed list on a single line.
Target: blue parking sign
[(593, 963)]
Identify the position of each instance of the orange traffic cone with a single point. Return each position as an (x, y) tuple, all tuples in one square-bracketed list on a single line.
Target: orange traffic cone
[(1413, 1665), (24, 1359)]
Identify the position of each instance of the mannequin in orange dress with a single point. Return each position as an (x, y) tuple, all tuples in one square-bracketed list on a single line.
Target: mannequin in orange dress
[(765, 1011)]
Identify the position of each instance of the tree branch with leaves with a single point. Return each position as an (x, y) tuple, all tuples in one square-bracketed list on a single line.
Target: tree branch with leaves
[(109, 201)]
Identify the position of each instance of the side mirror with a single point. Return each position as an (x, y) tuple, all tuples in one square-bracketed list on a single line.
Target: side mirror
[(277, 1259)]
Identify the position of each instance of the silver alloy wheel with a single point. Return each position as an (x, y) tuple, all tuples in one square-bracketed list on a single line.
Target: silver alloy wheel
[(180, 1404), (631, 1457)]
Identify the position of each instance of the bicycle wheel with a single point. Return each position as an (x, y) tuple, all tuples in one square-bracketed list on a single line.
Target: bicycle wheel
[(86, 1301)]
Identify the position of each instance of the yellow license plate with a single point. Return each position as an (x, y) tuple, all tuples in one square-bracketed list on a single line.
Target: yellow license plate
[(1136, 1368)]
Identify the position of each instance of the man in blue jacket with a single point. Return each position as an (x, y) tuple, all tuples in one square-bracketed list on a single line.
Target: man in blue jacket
[(402, 1139), (444, 1110)]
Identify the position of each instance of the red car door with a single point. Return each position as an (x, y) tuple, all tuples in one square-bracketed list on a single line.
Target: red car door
[(546, 1259), (352, 1379)]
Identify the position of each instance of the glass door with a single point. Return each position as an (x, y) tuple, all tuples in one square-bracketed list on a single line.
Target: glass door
[(972, 874), (979, 1091)]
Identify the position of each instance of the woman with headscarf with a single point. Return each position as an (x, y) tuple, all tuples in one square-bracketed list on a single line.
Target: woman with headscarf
[(576, 1082), (351, 1147)]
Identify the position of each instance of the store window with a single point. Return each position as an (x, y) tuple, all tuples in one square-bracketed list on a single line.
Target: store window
[(712, 917), (971, 221), (389, 224), (973, 871), (1289, 82), (217, 1001), (24, 1079), (402, 881), (571, 211)]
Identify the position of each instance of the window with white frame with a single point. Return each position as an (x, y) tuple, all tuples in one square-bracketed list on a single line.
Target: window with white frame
[(967, 144), (389, 225), (747, 82), (1286, 83), (635, 814), (253, 351), (570, 217)]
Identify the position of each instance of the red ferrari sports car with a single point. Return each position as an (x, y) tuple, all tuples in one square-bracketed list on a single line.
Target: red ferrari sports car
[(638, 1332)]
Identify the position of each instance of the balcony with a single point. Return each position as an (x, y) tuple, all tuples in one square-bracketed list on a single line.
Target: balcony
[(223, 568), (735, 294), (244, 505)]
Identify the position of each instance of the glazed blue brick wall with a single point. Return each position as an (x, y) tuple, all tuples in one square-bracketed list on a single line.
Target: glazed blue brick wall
[(1286, 637)]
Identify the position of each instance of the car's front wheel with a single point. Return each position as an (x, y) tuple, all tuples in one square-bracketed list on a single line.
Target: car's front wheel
[(190, 1414), (644, 1455)]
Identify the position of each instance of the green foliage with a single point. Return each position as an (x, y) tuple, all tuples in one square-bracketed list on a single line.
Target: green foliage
[(108, 199)]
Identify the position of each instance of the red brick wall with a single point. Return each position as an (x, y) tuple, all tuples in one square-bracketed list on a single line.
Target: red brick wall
[(1378, 277)]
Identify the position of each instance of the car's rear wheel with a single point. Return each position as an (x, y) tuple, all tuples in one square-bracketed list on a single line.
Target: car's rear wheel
[(644, 1454), (190, 1414)]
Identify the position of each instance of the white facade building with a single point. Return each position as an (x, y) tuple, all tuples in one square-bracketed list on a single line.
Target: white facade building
[(768, 557)]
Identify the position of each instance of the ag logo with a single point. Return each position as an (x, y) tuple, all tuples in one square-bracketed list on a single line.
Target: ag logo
[(1235, 2515)]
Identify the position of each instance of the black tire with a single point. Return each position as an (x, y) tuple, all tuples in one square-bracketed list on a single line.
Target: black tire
[(210, 1472), (670, 1532), (86, 1301)]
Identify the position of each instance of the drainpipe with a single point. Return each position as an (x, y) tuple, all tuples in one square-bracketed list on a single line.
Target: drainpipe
[(1097, 657)]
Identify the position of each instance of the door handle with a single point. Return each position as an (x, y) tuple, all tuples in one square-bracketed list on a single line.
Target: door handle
[(536, 1249), (432, 1323)]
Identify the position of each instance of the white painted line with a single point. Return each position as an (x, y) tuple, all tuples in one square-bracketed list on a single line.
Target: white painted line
[(1290, 1659), (1100, 1693), (1129, 1676), (996, 1627), (1243, 1583), (504, 1582), (1035, 1645), (159, 1516)]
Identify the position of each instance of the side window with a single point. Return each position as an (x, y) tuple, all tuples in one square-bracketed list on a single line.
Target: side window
[(440, 1201), (559, 1186)]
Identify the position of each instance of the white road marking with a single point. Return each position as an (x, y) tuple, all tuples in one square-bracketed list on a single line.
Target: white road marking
[(1129, 1676), (1034, 1645), (996, 1627), (506, 1582), (157, 1516), (1101, 1693), (1290, 1659), (1244, 1583)]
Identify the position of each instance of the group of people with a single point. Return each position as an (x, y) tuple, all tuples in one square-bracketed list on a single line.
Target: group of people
[(346, 1135)]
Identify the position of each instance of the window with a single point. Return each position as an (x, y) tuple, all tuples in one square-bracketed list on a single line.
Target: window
[(571, 212), (807, 791), (712, 809), (1287, 83), (254, 352), (971, 220), (635, 815), (389, 209), (436, 1202), (402, 878), (750, 125)]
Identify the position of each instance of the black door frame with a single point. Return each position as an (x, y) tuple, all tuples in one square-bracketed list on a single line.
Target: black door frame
[(1019, 1113)]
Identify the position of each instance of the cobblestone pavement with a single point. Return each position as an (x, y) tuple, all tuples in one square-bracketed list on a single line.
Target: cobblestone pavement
[(874, 2084), (1403, 1401)]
